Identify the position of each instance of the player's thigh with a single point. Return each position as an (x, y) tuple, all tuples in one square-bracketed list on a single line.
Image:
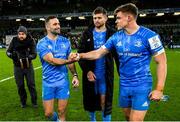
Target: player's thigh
[(62, 105), (137, 115), (48, 106)]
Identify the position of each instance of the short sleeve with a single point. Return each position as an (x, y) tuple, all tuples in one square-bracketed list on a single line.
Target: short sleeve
[(43, 49), (110, 43)]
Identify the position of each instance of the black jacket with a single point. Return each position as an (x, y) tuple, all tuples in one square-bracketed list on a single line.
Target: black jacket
[(91, 100), (21, 50)]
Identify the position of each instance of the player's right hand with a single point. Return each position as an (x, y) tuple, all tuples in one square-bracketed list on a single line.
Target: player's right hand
[(91, 76), (74, 57)]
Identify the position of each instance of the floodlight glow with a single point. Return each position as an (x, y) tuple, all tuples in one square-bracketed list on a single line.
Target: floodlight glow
[(81, 17), (111, 16), (177, 13), (68, 18), (41, 19), (160, 14), (17, 20), (142, 15), (30, 20)]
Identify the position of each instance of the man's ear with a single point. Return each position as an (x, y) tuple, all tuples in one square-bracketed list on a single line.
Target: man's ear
[(47, 26), (106, 17), (129, 18)]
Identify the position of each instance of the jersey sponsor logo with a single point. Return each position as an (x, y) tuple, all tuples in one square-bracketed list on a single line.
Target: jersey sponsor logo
[(145, 104), (130, 54), (138, 43), (60, 55), (154, 42)]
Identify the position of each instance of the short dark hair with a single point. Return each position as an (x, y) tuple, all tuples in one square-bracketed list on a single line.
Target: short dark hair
[(127, 8), (49, 18), (100, 10)]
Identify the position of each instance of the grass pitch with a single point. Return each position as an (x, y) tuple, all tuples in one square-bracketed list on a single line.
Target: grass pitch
[(10, 109)]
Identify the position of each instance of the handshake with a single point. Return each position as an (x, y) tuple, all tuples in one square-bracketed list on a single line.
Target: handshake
[(73, 57)]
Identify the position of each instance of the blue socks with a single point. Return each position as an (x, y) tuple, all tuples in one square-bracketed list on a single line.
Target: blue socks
[(107, 118), (54, 117), (92, 116)]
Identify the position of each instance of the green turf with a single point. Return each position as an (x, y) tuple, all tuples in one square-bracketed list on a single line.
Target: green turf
[(159, 111)]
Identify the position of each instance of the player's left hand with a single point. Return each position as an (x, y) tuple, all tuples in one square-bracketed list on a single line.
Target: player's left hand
[(75, 81), (156, 95)]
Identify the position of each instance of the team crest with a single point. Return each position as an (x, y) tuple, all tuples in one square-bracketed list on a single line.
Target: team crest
[(63, 46), (138, 43)]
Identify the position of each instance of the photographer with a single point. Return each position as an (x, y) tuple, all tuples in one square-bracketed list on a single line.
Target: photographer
[(22, 50)]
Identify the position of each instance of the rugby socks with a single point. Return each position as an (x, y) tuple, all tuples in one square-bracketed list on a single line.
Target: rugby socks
[(54, 117), (92, 116), (107, 118)]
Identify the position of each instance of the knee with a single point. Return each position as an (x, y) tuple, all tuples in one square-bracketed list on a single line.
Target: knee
[(31, 85), (61, 111), (127, 117), (136, 118)]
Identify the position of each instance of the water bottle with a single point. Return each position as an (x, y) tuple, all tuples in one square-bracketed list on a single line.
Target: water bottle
[(164, 98)]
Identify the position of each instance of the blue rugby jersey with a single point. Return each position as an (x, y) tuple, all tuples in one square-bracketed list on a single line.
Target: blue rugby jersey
[(54, 75), (134, 52), (99, 40)]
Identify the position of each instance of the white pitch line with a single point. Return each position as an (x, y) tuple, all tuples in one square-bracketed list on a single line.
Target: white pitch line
[(13, 76), (6, 79), (37, 68)]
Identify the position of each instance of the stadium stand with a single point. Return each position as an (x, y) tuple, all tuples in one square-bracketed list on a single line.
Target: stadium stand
[(32, 12)]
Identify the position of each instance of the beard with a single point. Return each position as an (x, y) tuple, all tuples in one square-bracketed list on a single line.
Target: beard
[(98, 25), (56, 32), (21, 38), (119, 28)]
